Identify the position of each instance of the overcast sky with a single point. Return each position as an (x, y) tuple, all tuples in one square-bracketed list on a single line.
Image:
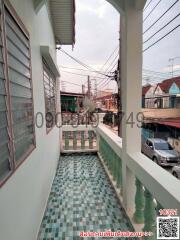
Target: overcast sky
[(97, 36)]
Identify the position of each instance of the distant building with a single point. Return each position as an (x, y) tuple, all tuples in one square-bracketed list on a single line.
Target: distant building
[(107, 102), (104, 93), (163, 95), (145, 89), (71, 102)]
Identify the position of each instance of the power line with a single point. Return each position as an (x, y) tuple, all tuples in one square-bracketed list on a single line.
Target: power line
[(151, 11), (84, 65), (79, 69), (110, 69), (161, 16), (76, 84), (162, 28), (109, 58), (80, 62), (102, 85), (106, 83), (155, 72), (101, 81), (73, 83), (161, 38), (78, 74)]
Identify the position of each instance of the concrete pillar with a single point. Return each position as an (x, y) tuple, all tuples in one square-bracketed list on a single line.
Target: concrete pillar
[(131, 74), (131, 81)]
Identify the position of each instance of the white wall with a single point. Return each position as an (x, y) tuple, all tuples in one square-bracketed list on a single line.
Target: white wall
[(24, 196)]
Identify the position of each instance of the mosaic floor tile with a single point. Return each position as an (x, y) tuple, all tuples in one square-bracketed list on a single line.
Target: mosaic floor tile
[(81, 199)]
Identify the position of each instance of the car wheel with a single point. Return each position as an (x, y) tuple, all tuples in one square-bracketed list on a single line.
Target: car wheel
[(175, 175), (155, 160)]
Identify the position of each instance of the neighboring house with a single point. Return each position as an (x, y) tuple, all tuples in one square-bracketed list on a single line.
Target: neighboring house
[(71, 102), (145, 89), (164, 94), (166, 88), (108, 102), (149, 97), (175, 87), (29, 93)]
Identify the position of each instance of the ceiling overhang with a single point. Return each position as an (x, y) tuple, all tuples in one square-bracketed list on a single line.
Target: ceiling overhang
[(62, 14)]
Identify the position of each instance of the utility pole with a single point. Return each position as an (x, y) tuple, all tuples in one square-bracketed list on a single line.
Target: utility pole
[(119, 98), (119, 103), (172, 66), (89, 87), (171, 60), (95, 87), (83, 89)]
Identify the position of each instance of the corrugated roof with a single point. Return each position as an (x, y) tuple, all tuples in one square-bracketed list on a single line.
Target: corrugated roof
[(71, 94), (170, 122), (63, 20)]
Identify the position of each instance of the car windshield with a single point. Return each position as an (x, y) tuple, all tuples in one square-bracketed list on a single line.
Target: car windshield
[(163, 146)]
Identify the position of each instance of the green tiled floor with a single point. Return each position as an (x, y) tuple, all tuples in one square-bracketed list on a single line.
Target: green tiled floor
[(81, 199)]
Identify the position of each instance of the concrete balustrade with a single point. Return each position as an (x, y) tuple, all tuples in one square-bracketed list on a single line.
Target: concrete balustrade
[(81, 138), (150, 187)]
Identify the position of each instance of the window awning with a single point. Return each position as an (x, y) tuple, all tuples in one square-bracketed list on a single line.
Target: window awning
[(46, 54), (63, 21), (62, 15)]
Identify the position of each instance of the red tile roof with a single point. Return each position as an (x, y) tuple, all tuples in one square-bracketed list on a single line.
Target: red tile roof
[(166, 84), (145, 89)]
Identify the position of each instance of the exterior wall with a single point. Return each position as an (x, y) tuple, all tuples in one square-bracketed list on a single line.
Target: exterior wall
[(174, 89), (150, 92), (158, 91), (149, 103), (24, 196)]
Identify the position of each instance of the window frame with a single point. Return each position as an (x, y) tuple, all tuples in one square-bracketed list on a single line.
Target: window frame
[(14, 165), (47, 69)]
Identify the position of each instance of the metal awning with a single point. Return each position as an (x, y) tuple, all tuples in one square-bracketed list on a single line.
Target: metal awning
[(172, 123), (62, 15), (63, 20), (168, 122)]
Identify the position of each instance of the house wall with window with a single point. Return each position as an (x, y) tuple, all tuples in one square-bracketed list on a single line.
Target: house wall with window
[(24, 194)]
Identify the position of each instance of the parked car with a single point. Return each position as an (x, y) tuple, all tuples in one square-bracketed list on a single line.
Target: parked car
[(176, 171), (160, 151)]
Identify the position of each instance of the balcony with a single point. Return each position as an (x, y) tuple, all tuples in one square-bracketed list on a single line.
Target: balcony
[(97, 188)]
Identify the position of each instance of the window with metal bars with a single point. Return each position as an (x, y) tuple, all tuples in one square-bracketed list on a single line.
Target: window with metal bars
[(50, 96), (17, 134)]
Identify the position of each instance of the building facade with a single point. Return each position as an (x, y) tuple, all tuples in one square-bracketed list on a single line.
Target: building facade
[(29, 84), (163, 95)]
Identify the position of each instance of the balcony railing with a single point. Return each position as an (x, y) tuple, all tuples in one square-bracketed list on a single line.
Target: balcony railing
[(142, 186), (78, 139), (149, 188)]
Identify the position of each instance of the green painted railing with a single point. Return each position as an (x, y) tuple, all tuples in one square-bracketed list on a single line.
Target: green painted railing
[(146, 208), (112, 161)]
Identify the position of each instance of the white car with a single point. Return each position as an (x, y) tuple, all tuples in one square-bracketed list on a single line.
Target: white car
[(176, 171)]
